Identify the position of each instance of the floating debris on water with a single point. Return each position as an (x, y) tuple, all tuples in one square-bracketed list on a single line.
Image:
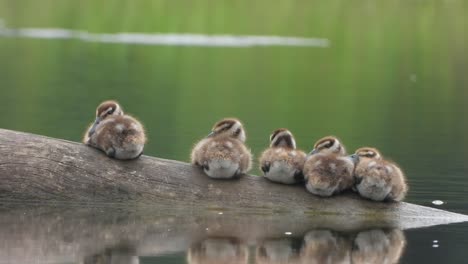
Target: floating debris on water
[(435, 246), (288, 233), (173, 39), (220, 213), (435, 241), (437, 202)]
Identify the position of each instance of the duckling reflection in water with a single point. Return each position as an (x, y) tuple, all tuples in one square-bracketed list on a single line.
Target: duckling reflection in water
[(226, 250), (222, 154), (378, 246), (120, 136), (121, 254), (325, 246), (279, 251), (376, 178), (327, 169), (282, 162)]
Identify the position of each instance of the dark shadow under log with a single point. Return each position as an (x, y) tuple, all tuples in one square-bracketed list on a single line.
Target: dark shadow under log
[(40, 169)]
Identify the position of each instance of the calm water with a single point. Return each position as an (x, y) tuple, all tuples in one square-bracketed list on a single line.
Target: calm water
[(390, 75)]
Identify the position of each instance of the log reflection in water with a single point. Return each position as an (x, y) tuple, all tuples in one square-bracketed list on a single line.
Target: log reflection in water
[(120, 235)]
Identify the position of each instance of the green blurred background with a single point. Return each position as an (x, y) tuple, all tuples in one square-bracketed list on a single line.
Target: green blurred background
[(394, 76)]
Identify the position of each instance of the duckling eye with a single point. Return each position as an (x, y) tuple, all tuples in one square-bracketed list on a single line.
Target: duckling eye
[(111, 111), (369, 154), (237, 132)]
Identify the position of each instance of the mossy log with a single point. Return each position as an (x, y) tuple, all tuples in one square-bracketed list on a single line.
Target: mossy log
[(35, 168)]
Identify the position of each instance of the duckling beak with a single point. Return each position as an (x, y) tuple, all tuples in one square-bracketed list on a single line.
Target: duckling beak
[(93, 128), (354, 158), (210, 134), (314, 151)]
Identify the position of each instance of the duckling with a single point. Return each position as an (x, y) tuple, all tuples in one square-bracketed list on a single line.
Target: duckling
[(327, 169), (282, 162), (120, 136), (378, 246), (378, 179), (119, 254), (326, 246), (222, 154), (279, 251), (229, 250)]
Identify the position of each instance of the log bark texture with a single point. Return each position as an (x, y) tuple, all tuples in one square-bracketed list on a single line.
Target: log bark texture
[(40, 169)]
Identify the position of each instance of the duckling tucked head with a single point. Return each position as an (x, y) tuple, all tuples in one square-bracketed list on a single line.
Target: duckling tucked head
[(282, 138), (328, 145), (229, 127), (376, 178), (108, 108), (366, 153), (105, 109)]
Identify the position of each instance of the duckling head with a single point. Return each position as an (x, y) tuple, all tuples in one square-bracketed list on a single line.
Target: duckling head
[(230, 127), (282, 138), (366, 153), (104, 110), (328, 145), (108, 108)]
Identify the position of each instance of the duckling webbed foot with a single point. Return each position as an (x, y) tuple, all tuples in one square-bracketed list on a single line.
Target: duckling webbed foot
[(389, 199), (110, 152), (237, 174), (357, 180), (266, 167), (139, 155), (205, 166), (299, 176)]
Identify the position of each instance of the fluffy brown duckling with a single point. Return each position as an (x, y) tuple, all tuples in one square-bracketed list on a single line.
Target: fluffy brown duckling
[(223, 154), (325, 246), (282, 162), (228, 250), (120, 136), (376, 178), (378, 246), (279, 251), (327, 169)]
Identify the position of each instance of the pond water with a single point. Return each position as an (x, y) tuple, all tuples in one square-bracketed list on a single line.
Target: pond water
[(390, 75)]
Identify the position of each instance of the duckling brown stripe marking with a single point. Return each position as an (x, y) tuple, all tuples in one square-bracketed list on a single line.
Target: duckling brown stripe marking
[(276, 132), (287, 139), (328, 145), (229, 122), (106, 106)]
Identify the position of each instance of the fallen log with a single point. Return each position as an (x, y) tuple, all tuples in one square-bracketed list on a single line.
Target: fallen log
[(40, 169)]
